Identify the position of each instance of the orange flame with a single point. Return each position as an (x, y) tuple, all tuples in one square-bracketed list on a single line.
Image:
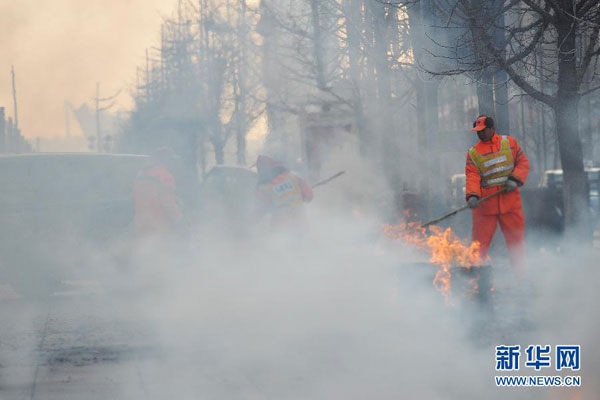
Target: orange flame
[(446, 250)]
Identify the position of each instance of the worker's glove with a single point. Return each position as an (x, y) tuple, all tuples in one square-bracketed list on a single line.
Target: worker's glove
[(511, 185), (473, 201)]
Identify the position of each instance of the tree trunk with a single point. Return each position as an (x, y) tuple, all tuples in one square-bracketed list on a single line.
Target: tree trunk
[(271, 77), (318, 44), (437, 185), (544, 142), (540, 147), (202, 154), (556, 159), (485, 79), (353, 29), (219, 152), (540, 50), (240, 135), (501, 95), (589, 140), (575, 188), (485, 93), (241, 118), (523, 138), (385, 118), (383, 84), (423, 27), (501, 79)]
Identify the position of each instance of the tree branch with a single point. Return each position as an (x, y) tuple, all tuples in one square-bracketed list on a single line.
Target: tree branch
[(584, 6), (543, 13), (503, 63), (530, 47), (588, 54), (588, 91)]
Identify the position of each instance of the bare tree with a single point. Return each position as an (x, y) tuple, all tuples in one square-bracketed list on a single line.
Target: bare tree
[(558, 26), (197, 89)]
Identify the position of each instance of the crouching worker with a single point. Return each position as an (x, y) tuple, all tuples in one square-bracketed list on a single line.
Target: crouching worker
[(281, 195)]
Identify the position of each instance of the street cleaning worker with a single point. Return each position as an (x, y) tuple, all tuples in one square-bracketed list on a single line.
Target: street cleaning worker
[(157, 212), (281, 194), (497, 162)]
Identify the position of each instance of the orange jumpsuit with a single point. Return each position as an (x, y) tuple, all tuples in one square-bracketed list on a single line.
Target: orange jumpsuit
[(505, 209), (156, 208)]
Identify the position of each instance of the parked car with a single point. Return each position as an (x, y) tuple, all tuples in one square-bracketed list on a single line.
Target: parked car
[(56, 209), (553, 179)]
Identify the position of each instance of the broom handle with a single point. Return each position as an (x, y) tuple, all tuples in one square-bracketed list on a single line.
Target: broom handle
[(325, 181), (489, 196)]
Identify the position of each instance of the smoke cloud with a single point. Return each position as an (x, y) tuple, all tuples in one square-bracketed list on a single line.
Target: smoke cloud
[(60, 49)]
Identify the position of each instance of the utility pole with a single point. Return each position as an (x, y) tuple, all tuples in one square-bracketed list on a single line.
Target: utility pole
[(98, 147), (67, 120), (98, 101), (14, 93), (2, 131), (147, 76), (163, 78)]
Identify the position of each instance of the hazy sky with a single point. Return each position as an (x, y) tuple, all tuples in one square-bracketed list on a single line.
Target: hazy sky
[(60, 48)]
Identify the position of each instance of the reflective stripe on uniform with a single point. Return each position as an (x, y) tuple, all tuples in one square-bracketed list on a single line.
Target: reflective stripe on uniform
[(285, 193), (495, 167), (494, 161), (491, 182)]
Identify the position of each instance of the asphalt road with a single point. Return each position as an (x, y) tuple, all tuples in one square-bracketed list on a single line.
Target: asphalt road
[(87, 343), (72, 346), (84, 343)]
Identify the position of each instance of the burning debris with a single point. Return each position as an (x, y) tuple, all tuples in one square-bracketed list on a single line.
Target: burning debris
[(445, 248)]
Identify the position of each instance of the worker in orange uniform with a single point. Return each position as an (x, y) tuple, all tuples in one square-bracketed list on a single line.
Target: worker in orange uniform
[(281, 194), (497, 162), (157, 212)]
